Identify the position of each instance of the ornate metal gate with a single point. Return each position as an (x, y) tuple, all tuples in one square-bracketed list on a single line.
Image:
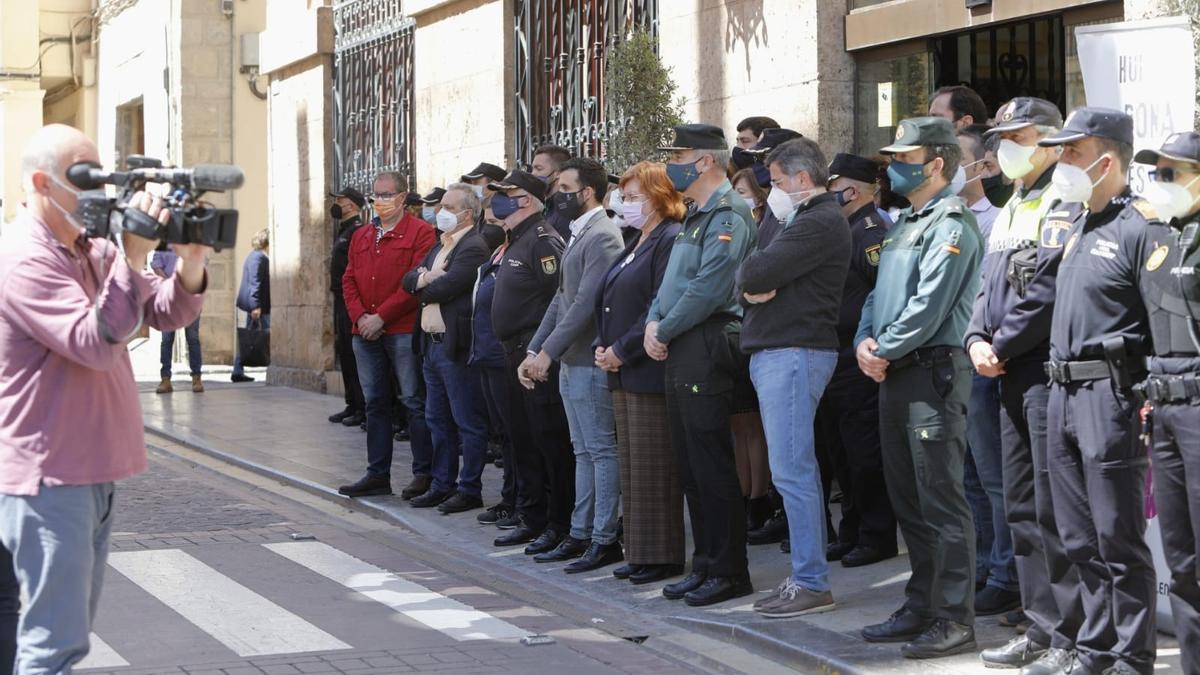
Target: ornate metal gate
[(561, 47), (373, 91)]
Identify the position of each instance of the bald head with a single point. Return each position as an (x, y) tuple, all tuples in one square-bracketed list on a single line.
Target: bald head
[(53, 149)]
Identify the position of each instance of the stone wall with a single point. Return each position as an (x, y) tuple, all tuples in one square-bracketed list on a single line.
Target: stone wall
[(737, 58)]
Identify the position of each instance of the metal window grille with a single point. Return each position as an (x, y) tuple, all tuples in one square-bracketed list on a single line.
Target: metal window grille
[(373, 91), (561, 47)]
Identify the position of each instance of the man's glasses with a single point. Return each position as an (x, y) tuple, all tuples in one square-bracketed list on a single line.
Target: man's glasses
[(385, 195)]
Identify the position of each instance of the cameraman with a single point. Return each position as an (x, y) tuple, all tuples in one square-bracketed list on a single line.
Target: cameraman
[(70, 422)]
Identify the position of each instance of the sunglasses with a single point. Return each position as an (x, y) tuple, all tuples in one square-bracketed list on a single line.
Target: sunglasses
[(1167, 174)]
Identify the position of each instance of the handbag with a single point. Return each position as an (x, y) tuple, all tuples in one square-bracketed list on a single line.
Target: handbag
[(254, 344)]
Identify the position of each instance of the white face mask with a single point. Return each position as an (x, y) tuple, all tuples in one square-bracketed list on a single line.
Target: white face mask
[(616, 201), (1073, 183), (446, 221), (751, 203), (478, 190), (960, 180), (782, 204), (69, 215), (1014, 158), (1171, 200)]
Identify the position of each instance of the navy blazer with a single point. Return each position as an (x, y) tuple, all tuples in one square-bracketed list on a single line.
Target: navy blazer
[(255, 291), (452, 292), (622, 304)]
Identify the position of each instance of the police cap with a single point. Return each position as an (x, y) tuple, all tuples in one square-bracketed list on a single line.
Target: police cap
[(434, 197), (492, 171), (857, 168), (918, 132), (517, 179), (697, 137), (1099, 122), (772, 138), (1026, 111), (353, 195), (1181, 147)]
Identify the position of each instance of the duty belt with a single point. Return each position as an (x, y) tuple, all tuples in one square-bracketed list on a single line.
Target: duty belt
[(436, 338), (925, 357), (1064, 372), (1171, 388)]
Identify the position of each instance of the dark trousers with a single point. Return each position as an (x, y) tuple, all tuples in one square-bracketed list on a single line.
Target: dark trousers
[(546, 462), (495, 394), (848, 433), (923, 429), (1049, 583), (343, 347), (388, 357), (1097, 481), (981, 515), (699, 387), (191, 335), (457, 420), (10, 612), (1177, 495)]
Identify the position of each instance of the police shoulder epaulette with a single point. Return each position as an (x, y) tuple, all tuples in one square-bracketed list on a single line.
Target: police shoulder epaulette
[(543, 232), (955, 208), (1145, 208), (868, 223)]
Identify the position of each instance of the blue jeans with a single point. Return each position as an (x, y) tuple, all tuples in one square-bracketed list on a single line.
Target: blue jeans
[(265, 323), (192, 335), (455, 413), (983, 437), (589, 409), (790, 383), (59, 544), (378, 361)]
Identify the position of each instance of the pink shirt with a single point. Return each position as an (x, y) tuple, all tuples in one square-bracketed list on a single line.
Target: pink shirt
[(69, 410)]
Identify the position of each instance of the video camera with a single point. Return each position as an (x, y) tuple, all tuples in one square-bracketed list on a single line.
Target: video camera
[(192, 221)]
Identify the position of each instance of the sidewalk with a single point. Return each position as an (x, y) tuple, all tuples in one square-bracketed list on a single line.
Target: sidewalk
[(282, 433)]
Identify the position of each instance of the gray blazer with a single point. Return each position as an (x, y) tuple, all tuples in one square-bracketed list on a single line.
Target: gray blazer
[(569, 326)]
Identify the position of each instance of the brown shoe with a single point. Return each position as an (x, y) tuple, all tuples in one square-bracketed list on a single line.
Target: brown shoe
[(197, 385), (418, 486), (164, 387)]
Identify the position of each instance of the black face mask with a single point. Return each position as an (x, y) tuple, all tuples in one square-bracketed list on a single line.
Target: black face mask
[(996, 191), (742, 159), (493, 235), (568, 204), (335, 212)]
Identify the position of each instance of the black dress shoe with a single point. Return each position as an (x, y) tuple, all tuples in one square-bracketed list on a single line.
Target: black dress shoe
[(992, 601), (363, 426), (367, 486), (785, 546), (758, 512), (520, 535), (509, 522), (239, 378), (354, 419), (627, 570), (686, 585), (460, 502), (943, 638), (1056, 662), (719, 589), (401, 436), (597, 556), (568, 549), (547, 541), (652, 573), (901, 626), (418, 486), (430, 499), (865, 554), (775, 529), (1016, 653), (337, 418), (494, 514), (835, 550)]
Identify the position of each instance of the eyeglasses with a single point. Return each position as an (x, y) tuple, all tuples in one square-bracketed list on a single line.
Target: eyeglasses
[(1167, 174), (385, 195), (629, 198)]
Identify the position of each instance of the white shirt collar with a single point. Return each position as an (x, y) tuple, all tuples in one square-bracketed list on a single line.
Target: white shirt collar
[(579, 222), (982, 206)]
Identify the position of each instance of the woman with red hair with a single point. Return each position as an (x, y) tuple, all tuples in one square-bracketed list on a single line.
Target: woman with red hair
[(651, 493)]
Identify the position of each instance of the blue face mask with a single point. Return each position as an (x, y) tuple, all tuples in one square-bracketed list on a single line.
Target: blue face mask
[(683, 175), (762, 174), (842, 199), (905, 176), (428, 215), (504, 206)]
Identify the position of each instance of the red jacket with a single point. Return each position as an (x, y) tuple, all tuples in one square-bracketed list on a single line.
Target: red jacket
[(371, 284)]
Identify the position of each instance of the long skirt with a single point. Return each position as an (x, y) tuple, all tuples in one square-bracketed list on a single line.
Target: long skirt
[(651, 494)]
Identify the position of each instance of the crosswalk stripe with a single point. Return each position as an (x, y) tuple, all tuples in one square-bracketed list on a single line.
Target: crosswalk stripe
[(420, 604), (242, 620), (101, 655)]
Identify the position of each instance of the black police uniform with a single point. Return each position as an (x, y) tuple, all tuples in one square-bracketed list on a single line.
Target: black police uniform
[(342, 329), (1171, 290), (1099, 339), (525, 284), (848, 416)]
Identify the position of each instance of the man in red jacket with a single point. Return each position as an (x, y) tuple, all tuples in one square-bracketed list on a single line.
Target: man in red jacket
[(384, 316)]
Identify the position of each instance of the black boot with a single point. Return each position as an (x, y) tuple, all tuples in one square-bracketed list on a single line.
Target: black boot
[(758, 512)]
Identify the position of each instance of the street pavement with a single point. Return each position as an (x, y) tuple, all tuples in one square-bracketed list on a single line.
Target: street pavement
[(282, 433)]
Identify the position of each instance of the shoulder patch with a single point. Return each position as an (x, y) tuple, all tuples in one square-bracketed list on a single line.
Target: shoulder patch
[(1157, 257), (549, 264), (1145, 208), (872, 253), (1054, 233)]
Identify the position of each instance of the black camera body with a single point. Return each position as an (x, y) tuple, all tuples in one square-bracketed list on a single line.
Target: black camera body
[(192, 221)]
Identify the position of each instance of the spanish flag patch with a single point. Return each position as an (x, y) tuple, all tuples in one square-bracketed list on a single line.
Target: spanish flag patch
[(725, 237), (950, 248)]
